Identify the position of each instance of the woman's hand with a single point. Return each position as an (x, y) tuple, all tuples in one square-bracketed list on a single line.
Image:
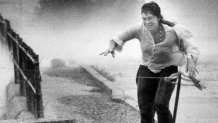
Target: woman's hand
[(172, 77), (111, 49), (190, 67), (106, 52)]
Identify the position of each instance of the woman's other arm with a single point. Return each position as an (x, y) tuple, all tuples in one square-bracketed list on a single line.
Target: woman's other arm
[(118, 41), (187, 46)]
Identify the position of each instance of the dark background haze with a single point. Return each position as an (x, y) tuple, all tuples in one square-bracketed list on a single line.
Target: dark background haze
[(81, 29)]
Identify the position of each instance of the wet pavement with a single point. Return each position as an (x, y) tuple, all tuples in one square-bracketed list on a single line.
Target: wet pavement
[(195, 106), (70, 92)]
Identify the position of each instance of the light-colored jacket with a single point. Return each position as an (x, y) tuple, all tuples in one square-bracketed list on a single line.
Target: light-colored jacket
[(176, 46)]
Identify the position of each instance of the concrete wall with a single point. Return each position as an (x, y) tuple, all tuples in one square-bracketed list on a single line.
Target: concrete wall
[(6, 74), (16, 105)]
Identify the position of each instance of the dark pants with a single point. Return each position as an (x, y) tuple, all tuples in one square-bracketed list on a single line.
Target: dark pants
[(154, 94)]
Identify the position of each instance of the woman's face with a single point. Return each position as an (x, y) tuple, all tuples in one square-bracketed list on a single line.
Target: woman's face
[(150, 21)]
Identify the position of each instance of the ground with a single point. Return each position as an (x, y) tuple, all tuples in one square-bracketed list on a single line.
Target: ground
[(71, 92)]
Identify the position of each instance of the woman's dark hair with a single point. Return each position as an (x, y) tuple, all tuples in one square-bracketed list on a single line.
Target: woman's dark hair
[(153, 8)]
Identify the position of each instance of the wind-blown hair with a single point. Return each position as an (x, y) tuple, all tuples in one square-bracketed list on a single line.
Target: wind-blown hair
[(153, 8)]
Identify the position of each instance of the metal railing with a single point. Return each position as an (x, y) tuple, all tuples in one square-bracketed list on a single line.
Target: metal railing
[(26, 68)]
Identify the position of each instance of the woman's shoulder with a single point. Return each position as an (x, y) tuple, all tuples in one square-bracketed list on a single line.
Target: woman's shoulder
[(179, 29), (182, 30), (167, 28)]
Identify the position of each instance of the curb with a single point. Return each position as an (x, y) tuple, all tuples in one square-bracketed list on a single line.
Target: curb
[(117, 93), (16, 105)]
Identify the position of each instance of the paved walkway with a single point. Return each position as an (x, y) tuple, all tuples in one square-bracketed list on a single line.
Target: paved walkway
[(195, 106), (71, 93)]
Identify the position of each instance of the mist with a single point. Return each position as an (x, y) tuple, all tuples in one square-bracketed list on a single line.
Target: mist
[(81, 29)]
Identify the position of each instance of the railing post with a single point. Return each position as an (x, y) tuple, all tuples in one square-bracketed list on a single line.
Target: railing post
[(17, 54), (29, 93), (1, 25), (6, 28), (33, 98), (15, 59), (39, 101), (22, 66), (177, 99), (11, 40)]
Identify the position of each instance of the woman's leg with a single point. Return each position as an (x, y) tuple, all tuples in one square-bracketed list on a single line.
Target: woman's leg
[(163, 96), (147, 89)]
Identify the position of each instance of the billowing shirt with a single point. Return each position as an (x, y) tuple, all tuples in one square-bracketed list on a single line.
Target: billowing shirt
[(172, 51)]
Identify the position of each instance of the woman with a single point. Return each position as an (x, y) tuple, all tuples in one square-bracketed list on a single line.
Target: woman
[(164, 46)]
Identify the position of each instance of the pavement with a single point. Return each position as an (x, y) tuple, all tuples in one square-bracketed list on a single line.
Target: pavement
[(195, 106), (70, 93)]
